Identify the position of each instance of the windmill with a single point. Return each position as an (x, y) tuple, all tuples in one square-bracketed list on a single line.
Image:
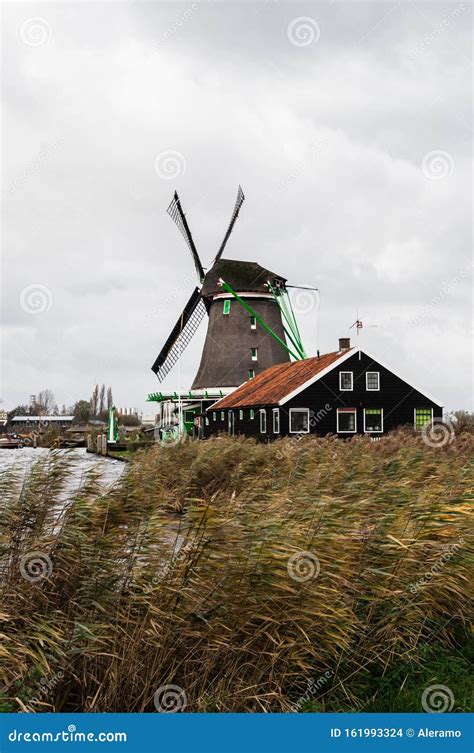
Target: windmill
[(249, 316)]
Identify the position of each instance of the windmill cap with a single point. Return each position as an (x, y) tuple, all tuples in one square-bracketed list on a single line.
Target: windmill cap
[(242, 276)]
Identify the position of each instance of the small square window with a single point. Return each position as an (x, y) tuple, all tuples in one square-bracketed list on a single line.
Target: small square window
[(423, 416), (253, 353), (299, 420), (346, 381), (346, 420), (251, 373), (241, 415), (373, 420), (263, 421), (372, 381), (253, 322), (222, 415), (276, 420), (252, 414), (226, 309)]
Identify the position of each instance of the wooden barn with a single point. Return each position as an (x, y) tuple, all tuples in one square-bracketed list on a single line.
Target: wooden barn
[(344, 393)]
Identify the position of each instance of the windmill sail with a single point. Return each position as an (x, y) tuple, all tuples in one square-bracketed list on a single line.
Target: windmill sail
[(179, 218), (180, 336), (238, 203)]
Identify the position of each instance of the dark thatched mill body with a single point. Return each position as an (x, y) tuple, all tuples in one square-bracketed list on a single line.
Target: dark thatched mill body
[(236, 347)]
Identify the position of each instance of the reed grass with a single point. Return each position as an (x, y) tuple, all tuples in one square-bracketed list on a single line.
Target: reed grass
[(179, 574)]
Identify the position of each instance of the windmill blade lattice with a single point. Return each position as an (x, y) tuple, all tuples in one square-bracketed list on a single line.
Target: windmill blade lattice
[(181, 335), (176, 213), (238, 203)]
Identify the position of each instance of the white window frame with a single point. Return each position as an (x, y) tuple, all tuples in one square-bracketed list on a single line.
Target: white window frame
[(346, 410), (373, 431), (214, 415), (372, 389), (207, 421), (241, 415), (252, 372), (346, 389), (252, 356), (298, 410), (263, 424), (253, 322), (222, 415), (414, 417), (276, 420), (252, 414)]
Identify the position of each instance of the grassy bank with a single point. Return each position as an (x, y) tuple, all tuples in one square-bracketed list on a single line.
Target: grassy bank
[(306, 575)]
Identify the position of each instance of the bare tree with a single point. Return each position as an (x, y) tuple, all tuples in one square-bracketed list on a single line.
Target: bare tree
[(110, 400), (102, 399), (45, 404), (95, 401)]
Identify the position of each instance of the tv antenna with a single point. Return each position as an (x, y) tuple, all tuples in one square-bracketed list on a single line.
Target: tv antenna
[(359, 324)]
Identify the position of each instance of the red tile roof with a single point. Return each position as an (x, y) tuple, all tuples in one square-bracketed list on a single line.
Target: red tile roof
[(275, 383)]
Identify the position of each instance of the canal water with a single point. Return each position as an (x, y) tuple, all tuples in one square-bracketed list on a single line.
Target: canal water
[(24, 457)]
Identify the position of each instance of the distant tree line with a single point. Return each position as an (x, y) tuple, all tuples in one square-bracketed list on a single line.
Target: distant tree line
[(96, 408)]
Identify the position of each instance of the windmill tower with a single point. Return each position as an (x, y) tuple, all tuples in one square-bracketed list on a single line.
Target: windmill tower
[(243, 302)]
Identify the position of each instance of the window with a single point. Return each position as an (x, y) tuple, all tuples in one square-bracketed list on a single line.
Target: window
[(222, 415), (373, 419), (207, 421), (263, 421), (253, 353), (252, 414), (372, 380), (345, 381), (213, 415), (251, 373), (253, 322), (226, 309), (299, 420), (423, 416), (241, 415), (346, 420), (276, 420)]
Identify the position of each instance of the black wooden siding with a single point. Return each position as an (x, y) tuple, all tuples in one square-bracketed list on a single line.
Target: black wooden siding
[(396, 397)]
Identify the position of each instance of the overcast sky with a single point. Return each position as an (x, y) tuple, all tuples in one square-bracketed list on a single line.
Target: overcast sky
[(347, 124)]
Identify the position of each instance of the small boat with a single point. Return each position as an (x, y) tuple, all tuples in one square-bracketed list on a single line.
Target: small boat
[(10, 443)]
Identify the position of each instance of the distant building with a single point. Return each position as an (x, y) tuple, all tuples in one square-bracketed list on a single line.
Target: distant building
[(41, 422)]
